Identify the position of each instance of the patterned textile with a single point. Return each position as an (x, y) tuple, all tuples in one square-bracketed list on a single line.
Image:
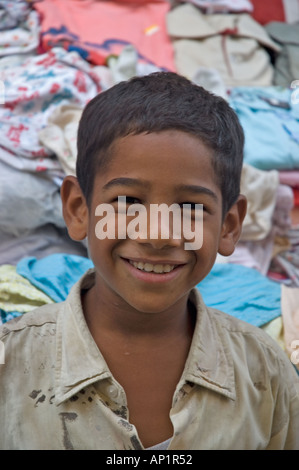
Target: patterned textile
[(24, 36), (34, 87)]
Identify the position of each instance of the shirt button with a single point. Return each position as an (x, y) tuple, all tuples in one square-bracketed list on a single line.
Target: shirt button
[(112, 391)]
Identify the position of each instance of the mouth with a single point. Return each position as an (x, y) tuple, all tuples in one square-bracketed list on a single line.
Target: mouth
[(154, 271), (158, 268)]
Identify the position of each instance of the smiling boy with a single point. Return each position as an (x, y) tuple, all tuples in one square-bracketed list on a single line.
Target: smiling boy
[(133, 358)]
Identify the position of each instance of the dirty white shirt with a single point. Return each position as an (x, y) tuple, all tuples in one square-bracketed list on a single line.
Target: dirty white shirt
[(239, 390)]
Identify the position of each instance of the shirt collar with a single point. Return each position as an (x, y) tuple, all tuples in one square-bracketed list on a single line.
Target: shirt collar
[(79, 362), (210, 362)]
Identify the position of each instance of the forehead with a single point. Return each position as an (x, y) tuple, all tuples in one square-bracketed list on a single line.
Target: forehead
[(165, 156)]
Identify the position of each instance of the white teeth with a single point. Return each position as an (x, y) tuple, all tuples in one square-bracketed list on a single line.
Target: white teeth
[(156, 268)]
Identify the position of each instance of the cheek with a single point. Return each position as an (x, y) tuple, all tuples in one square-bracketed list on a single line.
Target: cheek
[(204, 258), (101, 249)]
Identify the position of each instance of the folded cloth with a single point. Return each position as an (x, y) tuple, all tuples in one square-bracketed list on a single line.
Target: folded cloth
[(7, 316), (260, 187), (275, 329), (255, 254), (55, 274), (22, 38), (17, 294), (34, 87), (28, 201), (60, 135), (222, 6), (270, 121), (98, 29), (290, 317), (12, 13), (242, 292), (40, 242), (50, 167), (286, 66), (232, 43), (287, 263), (282, 220)]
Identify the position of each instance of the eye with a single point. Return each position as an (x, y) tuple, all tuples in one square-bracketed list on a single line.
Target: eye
[(191, 205), (121, 203), (126, 200), (132, 200), (193, 209)]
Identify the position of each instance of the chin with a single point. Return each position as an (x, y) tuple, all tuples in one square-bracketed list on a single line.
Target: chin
[(150, 307)]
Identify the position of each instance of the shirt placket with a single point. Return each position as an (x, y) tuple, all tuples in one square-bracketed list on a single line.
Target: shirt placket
[(117, 402)]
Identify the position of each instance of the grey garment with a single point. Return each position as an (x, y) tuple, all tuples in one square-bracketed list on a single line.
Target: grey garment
[(286, 67), (13, 13), (31, 220), (39, 243), (28, 201)]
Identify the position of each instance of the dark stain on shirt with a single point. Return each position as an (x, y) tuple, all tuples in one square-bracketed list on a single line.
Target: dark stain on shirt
[(74, 398), (65, 417), (260, 386), (122, 412), (40, 400), (128, 426), (34, 394), (135, 443)]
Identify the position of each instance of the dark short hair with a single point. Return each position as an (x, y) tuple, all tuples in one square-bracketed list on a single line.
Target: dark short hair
[(157, 102)]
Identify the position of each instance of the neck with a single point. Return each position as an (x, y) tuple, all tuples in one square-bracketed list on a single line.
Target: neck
[(116, 318)]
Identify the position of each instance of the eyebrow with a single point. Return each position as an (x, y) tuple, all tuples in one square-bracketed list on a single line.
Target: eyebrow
[(124, 181), (198, 190)]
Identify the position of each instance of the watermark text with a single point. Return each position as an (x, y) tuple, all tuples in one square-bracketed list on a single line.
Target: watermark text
[(164, 222)]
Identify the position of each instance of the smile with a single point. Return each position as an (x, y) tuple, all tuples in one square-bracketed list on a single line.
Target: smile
[(155, 268)]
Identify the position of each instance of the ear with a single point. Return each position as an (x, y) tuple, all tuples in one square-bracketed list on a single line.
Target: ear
[(75, 210), (232, 226)]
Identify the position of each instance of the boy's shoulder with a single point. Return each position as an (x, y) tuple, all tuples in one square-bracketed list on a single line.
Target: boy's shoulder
[(235, 327), (38, 317), (48, 314), (240, 338)]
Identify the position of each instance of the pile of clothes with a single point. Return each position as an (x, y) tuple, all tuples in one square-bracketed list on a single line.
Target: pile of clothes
[(57, 55)]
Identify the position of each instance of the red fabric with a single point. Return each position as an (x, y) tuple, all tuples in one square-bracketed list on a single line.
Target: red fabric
[(296, 196), (129, 1), (134, 1), (265, 11), (97, 29)]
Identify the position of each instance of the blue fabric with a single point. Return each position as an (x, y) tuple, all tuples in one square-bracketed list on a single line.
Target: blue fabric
[(271, 132), (242, 292), (6, 316), (55, 274), (235, 289)]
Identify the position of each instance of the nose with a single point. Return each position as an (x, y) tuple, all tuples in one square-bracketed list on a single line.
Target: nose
[(162, 228)]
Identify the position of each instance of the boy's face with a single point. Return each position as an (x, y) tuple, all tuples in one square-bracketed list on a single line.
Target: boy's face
[(153, 274)]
